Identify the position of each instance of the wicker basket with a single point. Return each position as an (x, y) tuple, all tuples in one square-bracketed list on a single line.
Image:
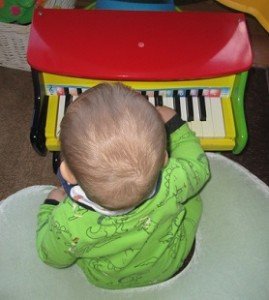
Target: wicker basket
[(14, 39), (13, 46), (59, 3)]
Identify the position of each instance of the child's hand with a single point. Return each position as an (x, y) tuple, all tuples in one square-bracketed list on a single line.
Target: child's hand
[(57, 194), (166, 113)]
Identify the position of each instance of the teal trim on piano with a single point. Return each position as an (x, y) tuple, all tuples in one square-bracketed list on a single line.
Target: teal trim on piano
[(137, 5), (239, 114)]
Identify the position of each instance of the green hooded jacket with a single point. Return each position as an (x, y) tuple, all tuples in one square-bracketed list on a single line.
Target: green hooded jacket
[(144, 246)]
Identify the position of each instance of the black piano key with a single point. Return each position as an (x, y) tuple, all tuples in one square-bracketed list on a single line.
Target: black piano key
[(159, 101), (156, 95), (66, 91), (68, 100), (79, 91), (144, 93), (177, 104), (202, 108), (189, 109)]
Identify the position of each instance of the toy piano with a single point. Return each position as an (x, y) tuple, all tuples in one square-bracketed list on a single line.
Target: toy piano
[(194, 62)]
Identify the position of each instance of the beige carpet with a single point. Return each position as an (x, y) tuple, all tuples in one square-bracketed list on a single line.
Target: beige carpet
[(20, 165)]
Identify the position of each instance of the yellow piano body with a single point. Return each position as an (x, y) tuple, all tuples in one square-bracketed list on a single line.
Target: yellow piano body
[(54, 84)]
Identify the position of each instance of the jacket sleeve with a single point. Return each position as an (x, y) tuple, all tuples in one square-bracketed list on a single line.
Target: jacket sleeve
[(187, 157), (53, 239)]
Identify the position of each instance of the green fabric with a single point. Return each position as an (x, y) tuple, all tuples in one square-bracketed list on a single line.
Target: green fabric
[(143, 247)]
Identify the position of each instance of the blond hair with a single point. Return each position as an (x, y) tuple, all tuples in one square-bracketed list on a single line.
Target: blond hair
[(113, 140)]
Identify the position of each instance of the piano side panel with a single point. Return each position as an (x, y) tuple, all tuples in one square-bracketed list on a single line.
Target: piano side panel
[(228, 120), (237, 100)]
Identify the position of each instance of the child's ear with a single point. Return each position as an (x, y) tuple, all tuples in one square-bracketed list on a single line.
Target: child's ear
[(67, 174), (165, 158)]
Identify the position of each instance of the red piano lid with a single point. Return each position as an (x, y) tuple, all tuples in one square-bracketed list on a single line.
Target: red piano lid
[(133, 45)]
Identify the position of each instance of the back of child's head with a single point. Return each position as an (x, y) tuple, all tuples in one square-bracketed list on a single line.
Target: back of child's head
[(113, 141)]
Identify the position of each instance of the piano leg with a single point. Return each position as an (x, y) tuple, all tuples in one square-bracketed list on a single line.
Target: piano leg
[(56, 161)]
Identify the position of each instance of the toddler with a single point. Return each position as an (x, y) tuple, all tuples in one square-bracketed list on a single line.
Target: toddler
[(128, 208)]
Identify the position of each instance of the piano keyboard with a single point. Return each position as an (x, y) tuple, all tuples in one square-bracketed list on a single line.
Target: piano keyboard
[(207, 110), (203, 114)]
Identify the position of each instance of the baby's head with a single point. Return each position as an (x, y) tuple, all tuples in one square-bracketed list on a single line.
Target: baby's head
[(113, 142)]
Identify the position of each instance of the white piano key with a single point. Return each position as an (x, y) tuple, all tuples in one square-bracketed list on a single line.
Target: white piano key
[(152, 100), (196, 125), (208, 127), (169, 93), (74, 98), (169, 102), (150, 93), (217, 115), (183, 107), (150, 96), (162, 93), (73, 91), (61, 109)]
